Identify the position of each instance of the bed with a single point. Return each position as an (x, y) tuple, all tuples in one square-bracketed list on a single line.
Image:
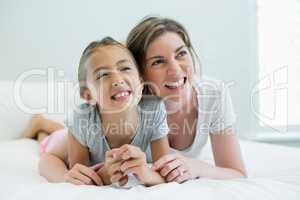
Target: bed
[(274, 171)]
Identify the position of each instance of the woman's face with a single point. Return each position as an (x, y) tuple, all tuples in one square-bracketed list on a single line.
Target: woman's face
[(113, 79), (169, 67)]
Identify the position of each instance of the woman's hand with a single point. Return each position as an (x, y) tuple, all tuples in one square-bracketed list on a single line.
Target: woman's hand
[(82, 175), (176, 167)]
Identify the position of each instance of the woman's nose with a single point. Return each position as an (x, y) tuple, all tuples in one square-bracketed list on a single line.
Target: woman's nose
[(174, 67)]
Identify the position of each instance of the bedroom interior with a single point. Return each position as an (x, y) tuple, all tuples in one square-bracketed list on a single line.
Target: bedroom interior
[(253, 46)]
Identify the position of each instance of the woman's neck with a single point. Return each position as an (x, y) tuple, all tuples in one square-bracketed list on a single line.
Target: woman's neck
[(183, 124), (184, 106)]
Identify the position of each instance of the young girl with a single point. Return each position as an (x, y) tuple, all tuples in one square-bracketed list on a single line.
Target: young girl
[(115, 127)]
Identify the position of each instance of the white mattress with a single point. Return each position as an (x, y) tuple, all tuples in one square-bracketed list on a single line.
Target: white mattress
[(274, 173)]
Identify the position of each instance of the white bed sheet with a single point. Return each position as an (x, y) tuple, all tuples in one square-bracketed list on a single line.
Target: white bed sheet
[(274, 173)]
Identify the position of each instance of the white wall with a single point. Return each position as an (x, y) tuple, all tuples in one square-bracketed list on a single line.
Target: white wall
[(41, 34)]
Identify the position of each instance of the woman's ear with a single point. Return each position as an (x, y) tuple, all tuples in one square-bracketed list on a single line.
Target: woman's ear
[(142, 80)]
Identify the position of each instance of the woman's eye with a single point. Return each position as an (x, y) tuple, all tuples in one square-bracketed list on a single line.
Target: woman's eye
[(156, 63), (182, 53)]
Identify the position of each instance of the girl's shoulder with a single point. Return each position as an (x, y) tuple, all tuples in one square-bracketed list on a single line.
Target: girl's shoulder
[(151, 104), (83, 112)]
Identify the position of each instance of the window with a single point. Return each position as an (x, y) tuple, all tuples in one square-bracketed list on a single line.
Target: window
[(278, 24)]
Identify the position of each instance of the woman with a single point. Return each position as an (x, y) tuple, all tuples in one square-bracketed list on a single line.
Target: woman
[(196, 108)]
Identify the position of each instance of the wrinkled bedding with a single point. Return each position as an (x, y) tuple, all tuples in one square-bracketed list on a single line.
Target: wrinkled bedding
[(274, 173)]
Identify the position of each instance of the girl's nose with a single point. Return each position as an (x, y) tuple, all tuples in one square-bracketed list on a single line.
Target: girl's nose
[(118, 83)]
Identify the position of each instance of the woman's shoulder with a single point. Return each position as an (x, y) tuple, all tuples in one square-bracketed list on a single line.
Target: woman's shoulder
[(209, 86)]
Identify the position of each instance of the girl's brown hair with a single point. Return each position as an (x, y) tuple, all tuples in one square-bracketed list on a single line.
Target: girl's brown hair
[(88, 51)]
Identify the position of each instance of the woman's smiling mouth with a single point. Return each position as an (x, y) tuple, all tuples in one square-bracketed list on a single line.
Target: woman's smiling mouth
[(175, 84)]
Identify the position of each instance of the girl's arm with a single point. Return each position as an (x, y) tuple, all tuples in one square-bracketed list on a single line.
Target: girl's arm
[(52, 168), (78, 158), (159, 148), (77, 153), (55, 170)]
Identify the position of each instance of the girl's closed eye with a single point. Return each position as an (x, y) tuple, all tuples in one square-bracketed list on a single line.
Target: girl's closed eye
[(126, 68), (101, 75)]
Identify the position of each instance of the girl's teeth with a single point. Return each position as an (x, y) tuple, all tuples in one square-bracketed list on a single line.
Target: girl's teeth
[(122, 94)]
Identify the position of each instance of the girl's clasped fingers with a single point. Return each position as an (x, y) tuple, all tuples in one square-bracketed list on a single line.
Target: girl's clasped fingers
[(132, 163), (116, 177), (130, 151), (123, 180), (114, 168)]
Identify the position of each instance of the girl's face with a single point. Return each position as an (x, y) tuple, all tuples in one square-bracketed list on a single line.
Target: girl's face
[(169, 67), (113, 79)]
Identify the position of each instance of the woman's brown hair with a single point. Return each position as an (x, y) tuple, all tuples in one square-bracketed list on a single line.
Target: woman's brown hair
[(150, 28)]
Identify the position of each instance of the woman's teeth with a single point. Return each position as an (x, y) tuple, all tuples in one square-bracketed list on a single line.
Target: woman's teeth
[(173, 85)]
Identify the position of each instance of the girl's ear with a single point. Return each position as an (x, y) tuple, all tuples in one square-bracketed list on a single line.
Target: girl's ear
[(88, 97)]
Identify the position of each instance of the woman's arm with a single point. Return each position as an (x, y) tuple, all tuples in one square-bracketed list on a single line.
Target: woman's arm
[(227, 156), (228, 161)]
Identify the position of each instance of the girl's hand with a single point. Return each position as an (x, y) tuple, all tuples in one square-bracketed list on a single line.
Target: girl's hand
[(134, 161), (82, 175), (112, 165), (124, 160), (176, 167)]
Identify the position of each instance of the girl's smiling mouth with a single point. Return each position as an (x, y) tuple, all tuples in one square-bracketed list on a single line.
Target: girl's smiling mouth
[(121, 95)]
